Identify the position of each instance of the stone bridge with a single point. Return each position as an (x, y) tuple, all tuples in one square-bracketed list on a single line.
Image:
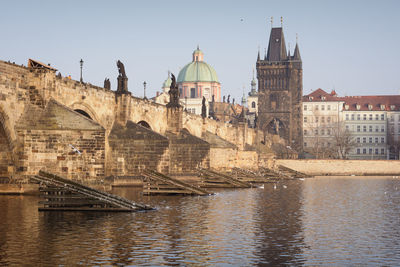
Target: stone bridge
[(87, 132)]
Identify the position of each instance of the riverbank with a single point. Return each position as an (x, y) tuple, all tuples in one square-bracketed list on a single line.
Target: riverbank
[(337, 167)]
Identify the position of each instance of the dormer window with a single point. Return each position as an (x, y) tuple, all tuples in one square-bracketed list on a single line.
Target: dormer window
[(382, 107), (310, 98), (346, 107), (370, 107), (358, 106), (392, 107), (323, 97)]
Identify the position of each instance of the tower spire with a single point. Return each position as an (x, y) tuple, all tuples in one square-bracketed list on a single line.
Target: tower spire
[(272, 22), (258, 56), (282, 22)]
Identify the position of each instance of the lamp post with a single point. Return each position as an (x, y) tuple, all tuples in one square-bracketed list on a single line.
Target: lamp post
[(81, 62), (144, 90)]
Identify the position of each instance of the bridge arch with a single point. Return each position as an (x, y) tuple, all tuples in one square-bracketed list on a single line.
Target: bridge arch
[(85, 110), (6, 147), (144, 124)]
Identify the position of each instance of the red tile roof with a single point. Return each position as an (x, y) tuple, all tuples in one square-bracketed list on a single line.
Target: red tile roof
[(320, 95), (375, 101)]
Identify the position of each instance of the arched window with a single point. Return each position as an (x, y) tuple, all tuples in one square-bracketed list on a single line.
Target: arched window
[(253, 104)]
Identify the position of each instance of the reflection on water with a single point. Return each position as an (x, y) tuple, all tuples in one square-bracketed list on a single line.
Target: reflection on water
[(323, 221)]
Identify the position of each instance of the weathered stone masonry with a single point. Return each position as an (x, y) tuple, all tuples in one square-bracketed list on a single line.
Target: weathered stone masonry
[(41, 123)]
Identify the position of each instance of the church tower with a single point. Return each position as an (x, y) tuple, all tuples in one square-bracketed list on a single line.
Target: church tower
[(280, 90)]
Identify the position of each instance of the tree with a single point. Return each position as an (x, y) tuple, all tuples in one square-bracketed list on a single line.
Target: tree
[(343, 141)]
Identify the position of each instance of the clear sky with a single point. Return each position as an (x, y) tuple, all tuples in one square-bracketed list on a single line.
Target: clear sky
[(351, 46)]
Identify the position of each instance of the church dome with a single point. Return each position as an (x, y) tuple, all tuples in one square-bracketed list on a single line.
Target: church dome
[(197, 70), (167, 83)]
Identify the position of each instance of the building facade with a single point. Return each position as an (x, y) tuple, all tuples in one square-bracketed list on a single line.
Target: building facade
[(322, 116), (280, 91), (374, 124)]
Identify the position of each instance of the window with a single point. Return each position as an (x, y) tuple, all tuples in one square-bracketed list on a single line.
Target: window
[(322, 107), (377, 128), (370, 139), (316, 107), (305, 107), (370, 128), (323, 119), (347, 117), (376, 139), (364, 140), (382, 151), (382, 117), (370, 151), (358, 117), (358, 151), (305, 119), (329, 131), (347, 127), (392, 118), (192, 92), (322, 132), (376, 117), (382, 140), (382, 128), (253, 104), (328, 107), (358, 128), (370, 117), (364, 151), (305, 132), (305, 144), (316, 119), (316, 131), (352, 117), (364, 128), (358, 139), (328, 119), (376, 151), (365, 117)]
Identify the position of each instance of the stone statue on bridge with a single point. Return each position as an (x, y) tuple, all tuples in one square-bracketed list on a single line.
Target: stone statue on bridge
[(203, 108), (107, 84), (121, 69), (173, 94), (122, 79)]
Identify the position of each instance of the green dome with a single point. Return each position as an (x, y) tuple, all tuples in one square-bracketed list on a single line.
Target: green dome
[(197, 71), (167, 83)]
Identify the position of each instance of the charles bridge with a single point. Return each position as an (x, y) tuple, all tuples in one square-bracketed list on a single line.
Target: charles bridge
[(82, 131)]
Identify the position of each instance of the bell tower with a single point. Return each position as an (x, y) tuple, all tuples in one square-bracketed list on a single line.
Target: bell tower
[(280, 90)]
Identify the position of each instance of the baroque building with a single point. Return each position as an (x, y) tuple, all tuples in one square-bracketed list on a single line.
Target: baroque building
[(196, 80), (280, 91)]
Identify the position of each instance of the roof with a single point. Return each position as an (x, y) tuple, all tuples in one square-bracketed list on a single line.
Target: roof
[(198, 71), (276, 46), (167, 82), (37, 64), (372, 103), (320, 95)]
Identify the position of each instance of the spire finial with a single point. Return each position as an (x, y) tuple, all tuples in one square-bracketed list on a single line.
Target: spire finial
[(253, 73), (297, 37), (289, 47), (272, 22), (169, 73), (198, 47), (281, 21)]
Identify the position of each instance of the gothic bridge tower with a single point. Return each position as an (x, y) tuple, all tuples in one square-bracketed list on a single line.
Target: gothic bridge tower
[(280, 90)]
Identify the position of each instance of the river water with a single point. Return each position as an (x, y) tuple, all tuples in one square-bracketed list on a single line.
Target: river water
[(319, 221)]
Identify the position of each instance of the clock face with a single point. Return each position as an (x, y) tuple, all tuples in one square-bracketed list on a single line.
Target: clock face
[(277, 40)]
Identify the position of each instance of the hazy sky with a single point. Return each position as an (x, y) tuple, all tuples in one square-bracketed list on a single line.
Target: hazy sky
[(351, 46)]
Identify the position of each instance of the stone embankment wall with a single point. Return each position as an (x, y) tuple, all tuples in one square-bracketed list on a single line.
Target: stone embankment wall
[(343, 167)]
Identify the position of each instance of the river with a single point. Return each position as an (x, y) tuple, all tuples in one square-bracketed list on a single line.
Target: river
[(320, 221)]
